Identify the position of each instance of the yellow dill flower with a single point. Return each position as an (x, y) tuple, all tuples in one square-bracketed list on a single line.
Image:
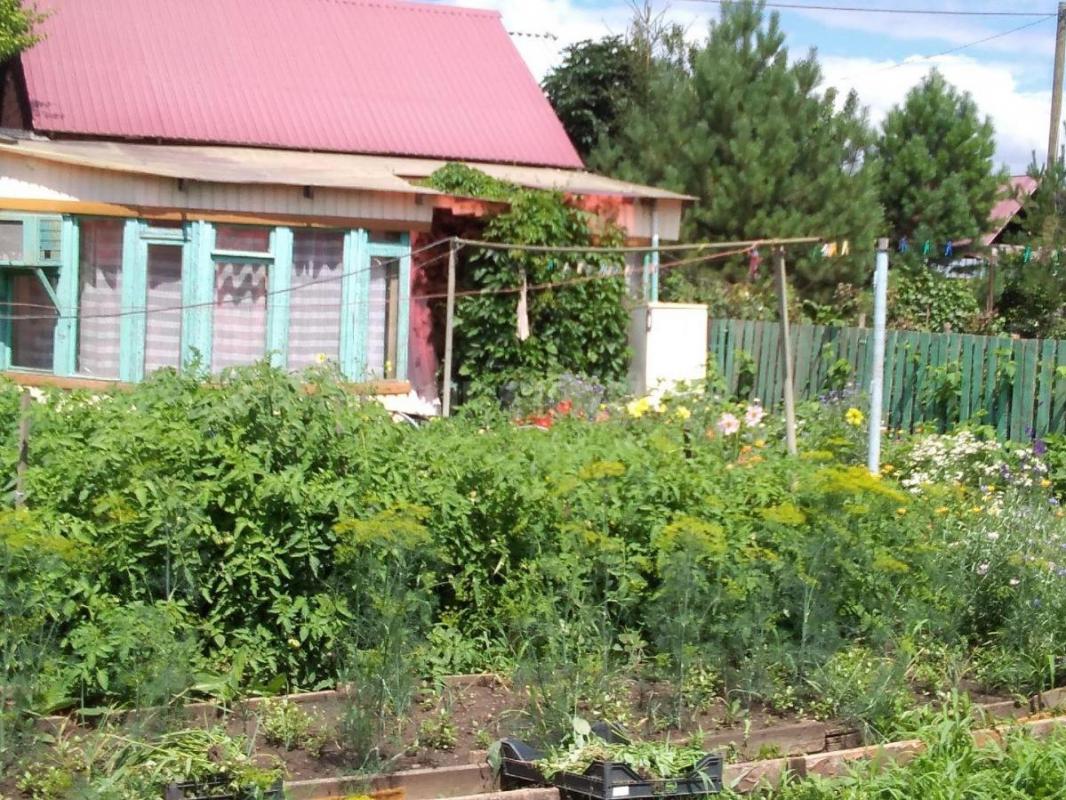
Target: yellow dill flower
[(682, 413), (854, 417)]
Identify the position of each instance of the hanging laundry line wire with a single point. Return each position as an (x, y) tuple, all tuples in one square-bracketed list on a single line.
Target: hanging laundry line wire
[(534, 248)]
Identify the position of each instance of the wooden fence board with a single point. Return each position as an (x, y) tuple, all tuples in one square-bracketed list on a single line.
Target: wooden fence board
[(1046, 381), (1058, 418)]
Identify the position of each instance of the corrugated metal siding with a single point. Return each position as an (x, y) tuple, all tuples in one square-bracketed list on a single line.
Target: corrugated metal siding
[(32, 179), (366, 76)]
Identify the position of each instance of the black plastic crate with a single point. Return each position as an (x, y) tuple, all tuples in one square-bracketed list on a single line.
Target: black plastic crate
[(218, 789), (606, 780)]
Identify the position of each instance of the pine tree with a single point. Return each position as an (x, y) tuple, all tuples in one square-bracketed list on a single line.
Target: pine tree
[(760, 143), (938, 179)]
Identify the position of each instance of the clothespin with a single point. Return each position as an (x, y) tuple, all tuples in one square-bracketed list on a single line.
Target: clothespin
[(949, 249), (754, 260), (904, 246), (816, 253), (927, 247), (1027, 254), (845, 248), (829, 249)]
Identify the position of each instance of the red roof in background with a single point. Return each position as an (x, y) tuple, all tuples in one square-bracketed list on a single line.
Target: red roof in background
[(356, 76), (1020, 188)]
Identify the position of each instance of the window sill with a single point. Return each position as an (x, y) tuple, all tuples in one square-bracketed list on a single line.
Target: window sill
[(44, 379)]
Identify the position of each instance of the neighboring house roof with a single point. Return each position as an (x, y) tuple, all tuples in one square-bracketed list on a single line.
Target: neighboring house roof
[(350, 76), (1018, 190)]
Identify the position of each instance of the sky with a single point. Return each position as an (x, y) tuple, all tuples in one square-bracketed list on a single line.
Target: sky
[(878, 55)]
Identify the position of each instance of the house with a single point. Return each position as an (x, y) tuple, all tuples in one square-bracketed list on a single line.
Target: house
[(1007, 214), (216, 182)]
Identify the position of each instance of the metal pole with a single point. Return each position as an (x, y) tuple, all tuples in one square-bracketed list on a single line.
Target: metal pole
[(1056, 91), (446, 400), (877, 379), (786, 352), (655, 252)]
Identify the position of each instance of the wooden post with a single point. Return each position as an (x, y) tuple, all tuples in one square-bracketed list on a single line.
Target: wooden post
[(24, 448), (786, 351), (1056, 91), (446, 400)]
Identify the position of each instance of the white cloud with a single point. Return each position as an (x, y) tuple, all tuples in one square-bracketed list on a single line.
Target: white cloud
[(1021, 117)]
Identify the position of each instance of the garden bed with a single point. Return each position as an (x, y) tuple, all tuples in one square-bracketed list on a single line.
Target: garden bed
[(482, 708)]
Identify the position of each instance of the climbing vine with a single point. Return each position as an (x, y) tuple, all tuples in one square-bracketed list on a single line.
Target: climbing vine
[(576, 302)]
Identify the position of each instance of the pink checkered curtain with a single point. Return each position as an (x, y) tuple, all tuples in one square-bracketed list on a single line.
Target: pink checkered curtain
[(162, 329), (33, 329), (100, 298), (315, 300), (240, 315)]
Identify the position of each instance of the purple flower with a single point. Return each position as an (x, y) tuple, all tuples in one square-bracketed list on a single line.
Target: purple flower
[(1053, 501), (1039, 447)]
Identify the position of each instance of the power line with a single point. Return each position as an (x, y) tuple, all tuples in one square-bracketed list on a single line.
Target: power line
[(935, 12), (949, 52)]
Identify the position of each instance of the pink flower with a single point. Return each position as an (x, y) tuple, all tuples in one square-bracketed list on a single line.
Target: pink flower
[(754, 415), (728, 425)]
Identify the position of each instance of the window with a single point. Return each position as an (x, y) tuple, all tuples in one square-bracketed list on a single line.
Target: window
[(382, 339), (240, 314), (33, 328), (10, 240), (100, 298), (162, 328), (315, 300)]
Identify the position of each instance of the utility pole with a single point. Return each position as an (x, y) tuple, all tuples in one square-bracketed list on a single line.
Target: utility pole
[(1056, 91)]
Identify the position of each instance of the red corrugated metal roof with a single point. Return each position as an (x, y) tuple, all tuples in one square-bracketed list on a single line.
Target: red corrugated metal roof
[(355, 76), (1019, 189)]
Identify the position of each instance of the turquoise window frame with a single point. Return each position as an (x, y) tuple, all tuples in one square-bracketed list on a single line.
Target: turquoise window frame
[(65, 267), (401, 252), (199, 259)]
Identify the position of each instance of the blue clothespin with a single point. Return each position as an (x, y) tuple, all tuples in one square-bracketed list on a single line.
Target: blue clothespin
[(1027, 254), (903, 245), (949, 249), (927, 247)]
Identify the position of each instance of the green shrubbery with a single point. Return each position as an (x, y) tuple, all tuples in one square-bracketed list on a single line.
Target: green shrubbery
[(253, 535)]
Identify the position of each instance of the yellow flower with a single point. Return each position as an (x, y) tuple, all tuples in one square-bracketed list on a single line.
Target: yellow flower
[(760, 444), (1045, 483), (854, 417), (682, 413), (638, 408), (942, 510), (901, 512), (977, 509), (887, 469)]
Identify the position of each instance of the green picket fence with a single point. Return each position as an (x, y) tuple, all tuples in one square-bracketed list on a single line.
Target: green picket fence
[(1017, 385)]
